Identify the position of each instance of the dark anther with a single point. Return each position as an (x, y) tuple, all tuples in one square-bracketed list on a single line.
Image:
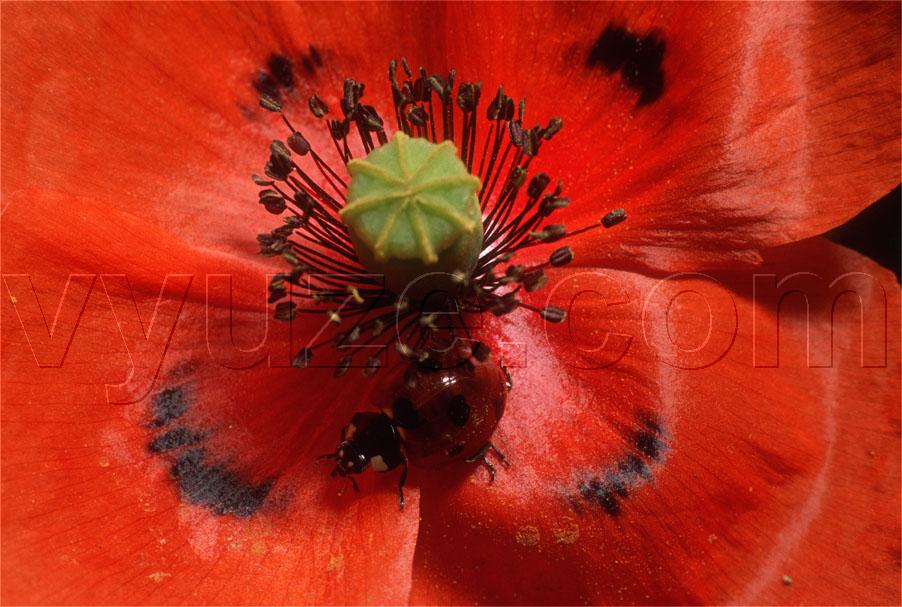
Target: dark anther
[(298, 144), (537, 185), (514, 272), (553, 314), (516, 131), (270, 103), (550, 233), (531, 141), (353, 91), (339, 128), (505, 304), (468, 96), (496, 107), (278, 167), (551, 203), (372, 365), (534, 281), (370, 117), (302, 359), (273, 201), (261, 181), (285, 310), (318, 106), (613, 218), (278, 149), (437, 84), (561, 257), (342, 367), (417, 116), (554, 125)]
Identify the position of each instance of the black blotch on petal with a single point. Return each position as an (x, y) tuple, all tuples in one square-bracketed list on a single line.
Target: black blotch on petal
[(648, 444), (311, 60), (213, 486), (175, 438), (458, 410), (281, 69), (637, 58), (597, 491), (634, 467), (267, 85), (613, 486), (405, 414), (280, 74), (168, 405)]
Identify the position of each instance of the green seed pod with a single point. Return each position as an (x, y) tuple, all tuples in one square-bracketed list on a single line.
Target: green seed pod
[(414, 215)]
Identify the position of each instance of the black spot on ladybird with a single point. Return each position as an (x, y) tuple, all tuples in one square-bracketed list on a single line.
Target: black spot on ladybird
[(455, 450), (458, 411), (637, 58), (405, 414)]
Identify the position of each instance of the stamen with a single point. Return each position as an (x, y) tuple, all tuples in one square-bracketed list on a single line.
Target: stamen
[(324, 255)]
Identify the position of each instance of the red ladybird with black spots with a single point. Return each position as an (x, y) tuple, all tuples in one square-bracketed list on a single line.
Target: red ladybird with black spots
[(432, 412)]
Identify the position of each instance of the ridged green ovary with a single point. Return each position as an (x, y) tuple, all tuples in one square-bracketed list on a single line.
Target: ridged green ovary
[(413, 201)]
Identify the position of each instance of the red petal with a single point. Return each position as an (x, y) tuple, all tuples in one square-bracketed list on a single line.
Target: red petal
[(122, 104), (112, 493), (704, 478), (776, 121)]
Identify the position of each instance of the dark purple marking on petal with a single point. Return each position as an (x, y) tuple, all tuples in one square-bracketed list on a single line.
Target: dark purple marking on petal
[(637, 58), (200, 481), (613, 486), (213, 486), (281, 73), (174, 439), (167, 405)]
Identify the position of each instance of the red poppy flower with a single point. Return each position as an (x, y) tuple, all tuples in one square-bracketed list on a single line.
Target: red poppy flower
[(718, 420)]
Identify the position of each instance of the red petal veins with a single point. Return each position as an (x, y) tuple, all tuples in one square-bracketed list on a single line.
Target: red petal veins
[(108, 500), (126, 105), (776, 122), (748, 473)]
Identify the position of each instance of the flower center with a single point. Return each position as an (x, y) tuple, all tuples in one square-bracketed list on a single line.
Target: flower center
[(413, 215), (422, 210)]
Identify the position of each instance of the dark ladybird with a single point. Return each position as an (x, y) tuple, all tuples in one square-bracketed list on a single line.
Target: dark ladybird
[(433, 412)]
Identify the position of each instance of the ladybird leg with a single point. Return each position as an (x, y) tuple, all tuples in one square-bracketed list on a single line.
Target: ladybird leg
[(354, 483), (508, 382), (401, 481), (500, 455), (479, 456)]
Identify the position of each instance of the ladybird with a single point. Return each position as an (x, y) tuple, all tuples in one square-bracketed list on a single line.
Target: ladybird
[(431, 413)]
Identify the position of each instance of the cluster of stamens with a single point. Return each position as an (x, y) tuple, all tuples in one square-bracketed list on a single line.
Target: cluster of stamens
[(325, 268)]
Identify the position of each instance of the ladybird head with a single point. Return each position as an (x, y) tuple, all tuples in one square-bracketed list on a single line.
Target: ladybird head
[(350, 459)]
